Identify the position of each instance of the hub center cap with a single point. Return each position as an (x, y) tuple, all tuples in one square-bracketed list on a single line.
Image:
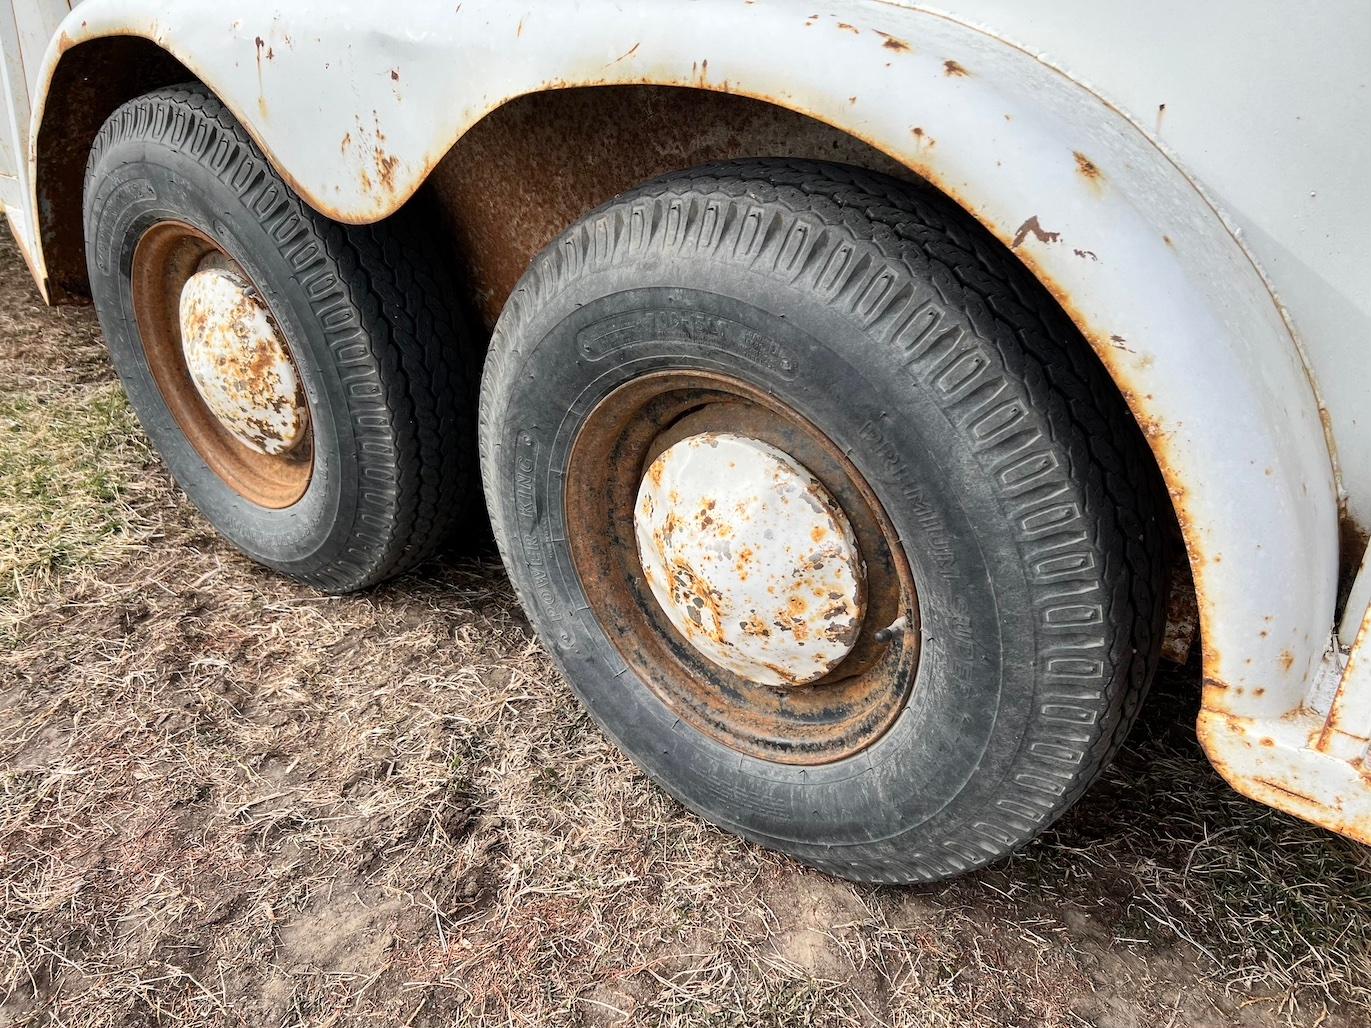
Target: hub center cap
[(750, 558), (240, 366)]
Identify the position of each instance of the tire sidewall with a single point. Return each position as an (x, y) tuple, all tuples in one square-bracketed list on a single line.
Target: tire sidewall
[(135, 184), (974, 696)]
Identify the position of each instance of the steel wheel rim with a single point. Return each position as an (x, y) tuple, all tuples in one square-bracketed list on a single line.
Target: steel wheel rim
[(836, 716), (165, 259)]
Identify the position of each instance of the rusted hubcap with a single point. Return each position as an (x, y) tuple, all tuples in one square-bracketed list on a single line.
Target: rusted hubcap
[(222, 365), (239, 364), (742, 567), (750, 558)]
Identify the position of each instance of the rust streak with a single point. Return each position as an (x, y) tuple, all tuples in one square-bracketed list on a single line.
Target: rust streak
[(893, 42), (954, 70), (1087, 168), (1289, 792), (385, 169), (261, 92)]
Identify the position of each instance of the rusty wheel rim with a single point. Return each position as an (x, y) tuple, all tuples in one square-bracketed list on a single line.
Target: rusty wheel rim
[(829, 718), (167, 258)]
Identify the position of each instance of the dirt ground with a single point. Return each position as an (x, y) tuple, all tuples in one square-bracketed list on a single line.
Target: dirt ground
[(226, 800)]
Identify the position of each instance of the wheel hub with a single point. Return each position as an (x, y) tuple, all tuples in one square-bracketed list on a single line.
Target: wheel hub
[(759, 620), (222, 364), (751, 559), (238, 363)]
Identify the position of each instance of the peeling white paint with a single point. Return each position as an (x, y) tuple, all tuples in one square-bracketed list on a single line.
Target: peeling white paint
[(750, 558)]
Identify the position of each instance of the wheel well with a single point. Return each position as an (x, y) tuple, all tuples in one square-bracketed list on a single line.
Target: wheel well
[(536, 164), (89, 83)]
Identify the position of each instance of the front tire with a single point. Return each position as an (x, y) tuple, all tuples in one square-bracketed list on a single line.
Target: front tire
[(378, 467), (932, 389)]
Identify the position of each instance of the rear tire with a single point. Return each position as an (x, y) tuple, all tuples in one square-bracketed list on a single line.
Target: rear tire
[(1020, 490), (377, 343)]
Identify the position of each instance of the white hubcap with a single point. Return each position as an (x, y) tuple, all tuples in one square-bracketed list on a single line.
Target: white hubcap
[(750, 558), (238, 363)]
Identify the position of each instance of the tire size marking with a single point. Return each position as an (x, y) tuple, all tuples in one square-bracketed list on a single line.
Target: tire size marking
[(686, 326)]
